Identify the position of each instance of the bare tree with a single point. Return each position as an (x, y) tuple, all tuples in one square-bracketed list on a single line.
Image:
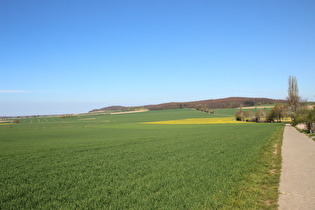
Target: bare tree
[(293, 97), (240, 114), (279, 112), (259, 114)]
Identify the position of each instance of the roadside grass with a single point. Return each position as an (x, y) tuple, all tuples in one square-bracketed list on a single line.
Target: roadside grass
[(260, 189), (114, 162), (311, 135)]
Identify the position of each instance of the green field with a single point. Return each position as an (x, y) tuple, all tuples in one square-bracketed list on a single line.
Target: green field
[(115, 162)]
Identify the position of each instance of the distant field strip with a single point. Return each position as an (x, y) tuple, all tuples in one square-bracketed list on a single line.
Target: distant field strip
[(92, 118), (192, 121)]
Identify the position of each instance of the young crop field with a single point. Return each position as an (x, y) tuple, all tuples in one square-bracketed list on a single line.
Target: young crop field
[(122, 161)]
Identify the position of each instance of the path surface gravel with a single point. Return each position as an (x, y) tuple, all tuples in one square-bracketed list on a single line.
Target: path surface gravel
[(297, 182)]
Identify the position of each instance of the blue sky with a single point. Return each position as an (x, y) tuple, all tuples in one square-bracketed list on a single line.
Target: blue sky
[(73, 56)]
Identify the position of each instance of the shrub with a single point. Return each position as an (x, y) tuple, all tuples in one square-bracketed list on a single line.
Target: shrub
[(277, 113), (271, 116), (306, 116), (239, 115)]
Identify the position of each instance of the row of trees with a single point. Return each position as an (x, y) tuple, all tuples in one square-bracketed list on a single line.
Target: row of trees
[(204, 109), (275, 114), (295, 108)]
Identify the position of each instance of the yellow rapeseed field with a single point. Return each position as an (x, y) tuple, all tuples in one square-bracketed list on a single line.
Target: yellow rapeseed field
[(217, 120), (4, 123)]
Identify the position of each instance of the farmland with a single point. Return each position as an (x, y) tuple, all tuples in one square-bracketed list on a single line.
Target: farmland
[(119, 161)]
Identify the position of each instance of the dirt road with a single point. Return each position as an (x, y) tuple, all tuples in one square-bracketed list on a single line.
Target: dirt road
[(297, 182)]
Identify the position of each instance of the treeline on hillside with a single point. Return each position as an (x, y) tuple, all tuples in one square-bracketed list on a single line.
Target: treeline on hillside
[(117, 108), (205, 105), (232, 102)]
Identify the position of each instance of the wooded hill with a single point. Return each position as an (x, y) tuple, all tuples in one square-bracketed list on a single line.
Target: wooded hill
[(232, 102)]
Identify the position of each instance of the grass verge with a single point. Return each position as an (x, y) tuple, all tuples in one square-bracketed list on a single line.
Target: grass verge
[(311, 135), (260, 189)]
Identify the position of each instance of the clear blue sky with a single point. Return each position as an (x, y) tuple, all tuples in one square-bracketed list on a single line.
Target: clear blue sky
[(72, 56)]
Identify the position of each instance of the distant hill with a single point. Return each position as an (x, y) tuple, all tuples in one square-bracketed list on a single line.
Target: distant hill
[(231, 102), (110, 108)]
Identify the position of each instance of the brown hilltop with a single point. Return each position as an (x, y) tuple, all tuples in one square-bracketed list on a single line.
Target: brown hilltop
[(231, 102)]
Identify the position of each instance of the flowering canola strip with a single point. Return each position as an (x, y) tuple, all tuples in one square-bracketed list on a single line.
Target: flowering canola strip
[(191, 121)]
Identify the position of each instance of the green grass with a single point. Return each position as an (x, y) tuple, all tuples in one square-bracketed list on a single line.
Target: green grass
[(113, 162)]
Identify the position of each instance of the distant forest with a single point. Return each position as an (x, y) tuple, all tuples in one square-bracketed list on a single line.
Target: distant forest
[(232, 102)]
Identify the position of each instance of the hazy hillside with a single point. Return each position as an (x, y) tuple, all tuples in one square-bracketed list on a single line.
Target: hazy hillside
[(231, 102)]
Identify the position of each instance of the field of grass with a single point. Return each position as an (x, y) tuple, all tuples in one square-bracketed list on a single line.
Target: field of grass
[(116, 162)]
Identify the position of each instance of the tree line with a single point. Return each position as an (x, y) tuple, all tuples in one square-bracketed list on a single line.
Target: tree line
[(295, 108), (208, 105)]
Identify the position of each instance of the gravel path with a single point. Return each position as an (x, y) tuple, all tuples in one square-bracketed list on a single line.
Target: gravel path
[(297, 182)]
